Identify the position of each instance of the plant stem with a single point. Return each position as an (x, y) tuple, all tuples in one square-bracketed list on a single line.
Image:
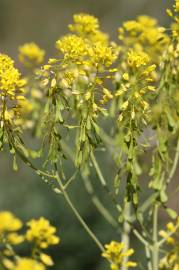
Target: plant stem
[(148, 257), (76, 213), (103, 182), (155, 248), (126, 231), (104, 212), (141, 238), (175, 162), (147, 246), (89, 188)]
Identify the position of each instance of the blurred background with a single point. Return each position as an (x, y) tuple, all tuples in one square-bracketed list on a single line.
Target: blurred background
[(44, 21)]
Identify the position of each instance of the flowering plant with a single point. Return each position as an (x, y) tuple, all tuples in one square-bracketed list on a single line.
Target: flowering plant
[(97, 96)]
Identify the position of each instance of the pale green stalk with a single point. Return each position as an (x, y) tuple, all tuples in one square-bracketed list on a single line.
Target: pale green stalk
[(103, 182), (96, 201), (126, 232), (155, 248), (175, 162), (105, 213), (76, 213)]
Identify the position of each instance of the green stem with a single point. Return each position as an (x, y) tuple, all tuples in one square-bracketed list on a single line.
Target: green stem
[(10, 249), (76, 213), (176, 158), (148, 257), (89, 188), (141, 238), (29, 164), (41, 173), (104, 212), (155, 248), (126, 232), (99, 173), (2, 120), (147, 246), (103, 182)]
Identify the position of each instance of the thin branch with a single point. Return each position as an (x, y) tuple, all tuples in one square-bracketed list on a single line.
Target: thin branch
[(76, 213), (89, 187), (104, 183), (174, 167)]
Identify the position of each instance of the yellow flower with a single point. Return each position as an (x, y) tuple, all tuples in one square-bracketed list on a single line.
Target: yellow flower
[(100, 54), (132, 25), (14, 238), (116, 252), (144, 34), (137, 59), (176, 266), (176, 5), (31, 54), (46, 259), (84, 24), (28, 264), (170, 234), (9, 223), (9, 76), (87, 26), (72, 47), (42, 233), (99, 36), (171, 227), (11, 90)]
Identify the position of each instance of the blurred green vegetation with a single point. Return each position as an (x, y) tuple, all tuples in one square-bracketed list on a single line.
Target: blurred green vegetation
[(22, 192)]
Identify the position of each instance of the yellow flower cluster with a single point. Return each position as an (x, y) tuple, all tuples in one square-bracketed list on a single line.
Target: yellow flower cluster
[(88, 46), (41, 233), (169, 234), (87, 26), (176, 5), (116, 252), (101, 54), (170, 261), (30, 54), (144, 34), (80, 51), (84, 24), (12, 91), (8, 222), (28, 264), (9, 225), (73, 48), (10, 80), (137, 59)]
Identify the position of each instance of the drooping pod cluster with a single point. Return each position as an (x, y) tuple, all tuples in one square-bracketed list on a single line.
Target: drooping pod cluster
[(76, 81)]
